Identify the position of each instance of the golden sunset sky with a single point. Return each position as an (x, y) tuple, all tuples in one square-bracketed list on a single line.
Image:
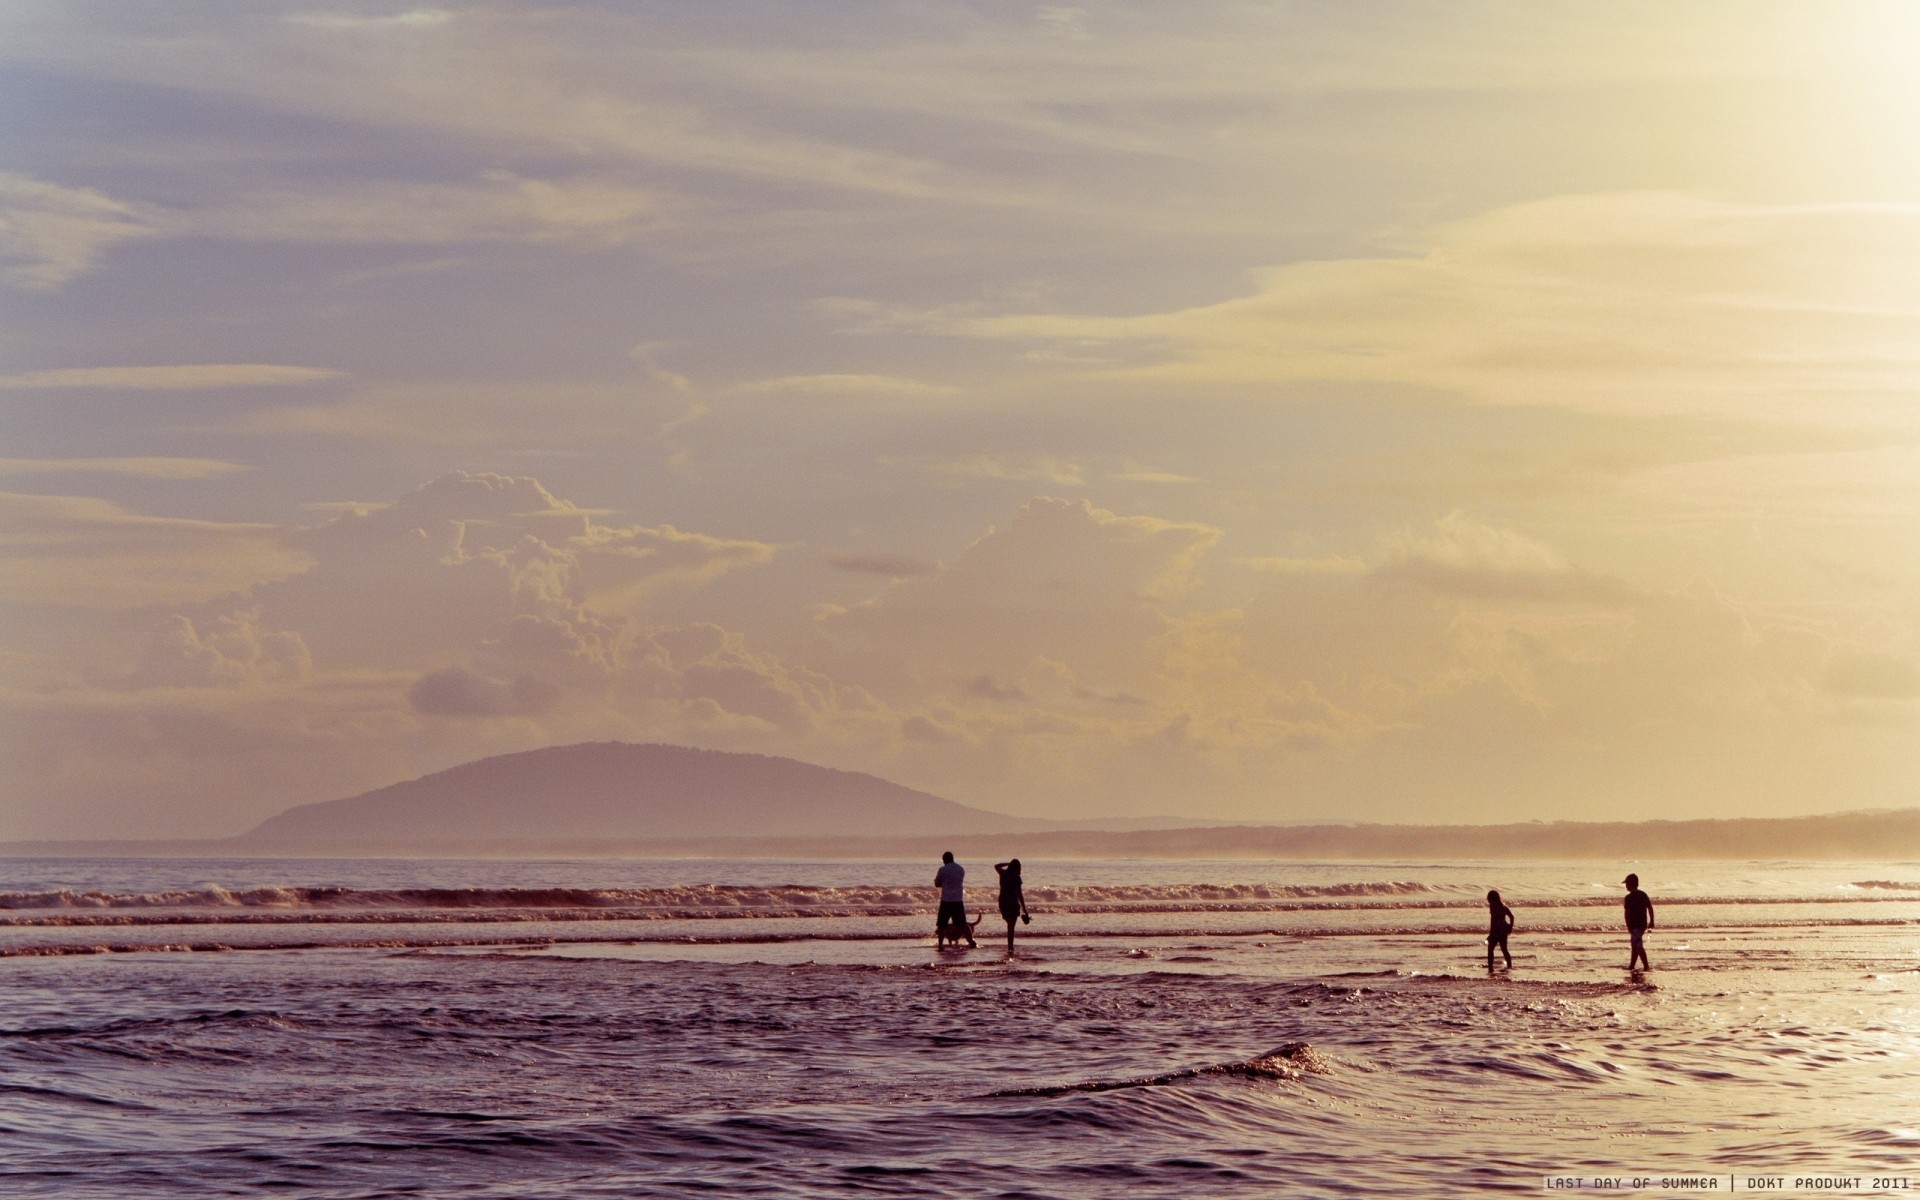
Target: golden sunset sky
[(1290, 411)]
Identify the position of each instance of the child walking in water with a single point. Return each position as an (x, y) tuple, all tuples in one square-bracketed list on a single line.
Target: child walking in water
[(1499, 925)]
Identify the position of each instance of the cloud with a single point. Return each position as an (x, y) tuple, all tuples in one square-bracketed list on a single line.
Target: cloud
[(171, 378), (483, 416), (727, 685), (986, 687), (893, 566), (1039, 468), (1634, 302), (405, 270), (1067, 21), (1465, 557), (419, 18), (136, 468), (1332, 564), (845, 385), (88, 552), (460, 620), (228, 651), (1062, 582), (456, 561), (1147, 475), (921, 729), (501, 206), (458, 692), (487, 79), (52, 233)]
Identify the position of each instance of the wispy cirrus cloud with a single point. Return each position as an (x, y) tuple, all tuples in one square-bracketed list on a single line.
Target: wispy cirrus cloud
[(844, 385), (1636, 302), (151, 467), (91, 553), (172, 377), (50, 233), (499, 206), (419, 18), (53, 233)]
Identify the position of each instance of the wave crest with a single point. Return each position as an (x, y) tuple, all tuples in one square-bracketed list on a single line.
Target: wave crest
[(688, 896), (1287, 1062)]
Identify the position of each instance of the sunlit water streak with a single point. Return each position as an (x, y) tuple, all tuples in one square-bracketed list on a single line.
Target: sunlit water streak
[(1176, 1029)]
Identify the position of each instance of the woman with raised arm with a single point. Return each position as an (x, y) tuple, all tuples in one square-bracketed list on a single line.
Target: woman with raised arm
[(1013, 901)]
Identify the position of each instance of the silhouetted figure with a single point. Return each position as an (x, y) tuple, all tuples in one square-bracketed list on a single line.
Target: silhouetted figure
[(1639, 920), (1013, 901), (1499, 925), (952, 918)]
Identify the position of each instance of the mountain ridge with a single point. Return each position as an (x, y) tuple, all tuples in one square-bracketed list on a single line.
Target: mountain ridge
[(625, 791)]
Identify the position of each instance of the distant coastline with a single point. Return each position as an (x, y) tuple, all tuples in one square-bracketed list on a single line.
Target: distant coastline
[(1867, 836), (654, 800)]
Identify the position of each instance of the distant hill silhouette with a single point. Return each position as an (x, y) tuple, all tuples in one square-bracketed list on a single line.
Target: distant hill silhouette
[(642, 800), (602, 793)]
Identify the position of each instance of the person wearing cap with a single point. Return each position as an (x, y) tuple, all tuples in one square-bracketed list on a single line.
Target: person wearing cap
[(1639, 920)]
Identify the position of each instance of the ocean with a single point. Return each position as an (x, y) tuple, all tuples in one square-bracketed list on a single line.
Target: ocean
[(373, 1028)]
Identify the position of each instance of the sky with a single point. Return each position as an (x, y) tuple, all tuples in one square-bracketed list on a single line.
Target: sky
[(1299, 411)]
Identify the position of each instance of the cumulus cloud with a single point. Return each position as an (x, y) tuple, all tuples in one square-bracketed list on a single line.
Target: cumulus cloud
[(458, 692), (458, 621), (473, 558), (1042, 641), (986, 687), (730, 684), (1068, 655), (227, 651), (1471, 559), (1062, 580), (500, 600)]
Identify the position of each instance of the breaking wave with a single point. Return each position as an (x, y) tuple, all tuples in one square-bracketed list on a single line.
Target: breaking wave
[(1287, 1062), (756, 899)]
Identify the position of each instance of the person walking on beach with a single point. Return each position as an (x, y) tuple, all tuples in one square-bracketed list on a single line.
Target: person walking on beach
[(1013, 901), (1500, 924), (1639, 920), (951, 880)]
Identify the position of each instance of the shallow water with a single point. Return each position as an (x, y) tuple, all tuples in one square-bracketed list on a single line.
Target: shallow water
[(787, 1029)]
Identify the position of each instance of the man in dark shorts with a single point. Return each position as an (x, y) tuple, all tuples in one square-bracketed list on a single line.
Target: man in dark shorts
[(1639, 920), (951, 879)]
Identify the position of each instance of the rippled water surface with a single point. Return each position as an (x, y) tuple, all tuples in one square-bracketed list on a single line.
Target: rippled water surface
[(788, 1029)]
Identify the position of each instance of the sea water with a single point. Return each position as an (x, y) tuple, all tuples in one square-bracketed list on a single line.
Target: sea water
[(367, 1028)]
